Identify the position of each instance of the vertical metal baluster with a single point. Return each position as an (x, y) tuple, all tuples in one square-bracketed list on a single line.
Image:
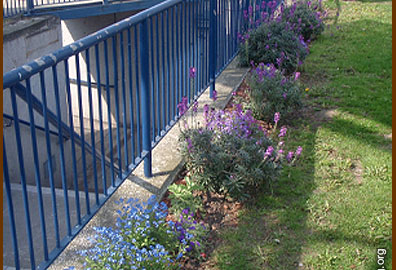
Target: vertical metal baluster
[(73, 146), (204, 49), (163, 98), (23, 178), (124, 113), (173, 62), (145, 98), (199, 49), (190, 64), (36, 169), (179, 47), (151, 42), (159, 105), (10, 207), (233, 34), (139, 148), (133, 157), (207, 43), (238, 22), (61, 149), (185, 65), (227, 32), (213, 44), (49, 155), (82, 135), (91, 122), (117, 101), (173, 69), (106, 56), (222, 35), (177, 62), (206, 14), (168, 69)]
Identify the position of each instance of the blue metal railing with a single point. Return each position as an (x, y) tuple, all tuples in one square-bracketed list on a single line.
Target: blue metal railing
[(101, 104), (15, 7)]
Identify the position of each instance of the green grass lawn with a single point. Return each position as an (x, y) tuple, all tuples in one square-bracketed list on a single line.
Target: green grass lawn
[(333, 210)]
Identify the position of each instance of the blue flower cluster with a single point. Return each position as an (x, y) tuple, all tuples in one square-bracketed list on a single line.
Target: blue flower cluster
[(189, 231), (142, 239)]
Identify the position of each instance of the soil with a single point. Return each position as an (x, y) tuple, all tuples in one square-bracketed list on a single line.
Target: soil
[(219, 213)]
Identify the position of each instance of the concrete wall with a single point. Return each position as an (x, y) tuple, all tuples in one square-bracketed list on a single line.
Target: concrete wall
[(25, 40)]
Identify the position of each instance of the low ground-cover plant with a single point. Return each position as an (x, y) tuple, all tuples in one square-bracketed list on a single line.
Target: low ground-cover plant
[(305, 18), (182, 197), (274, 42), (271, 92), (231, 154), (143, 239)]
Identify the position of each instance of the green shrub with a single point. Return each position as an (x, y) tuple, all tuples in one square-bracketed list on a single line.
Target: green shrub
[(305, 19), (274, 42), (271, 92)]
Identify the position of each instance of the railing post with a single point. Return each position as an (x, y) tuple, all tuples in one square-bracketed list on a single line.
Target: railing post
[(212, 44), (145, 96), (30, 6)]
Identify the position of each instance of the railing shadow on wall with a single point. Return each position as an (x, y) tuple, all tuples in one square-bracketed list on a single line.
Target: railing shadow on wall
[(83, 117)]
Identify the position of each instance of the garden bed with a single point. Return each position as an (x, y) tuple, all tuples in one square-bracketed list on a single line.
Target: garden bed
[(220, 212)]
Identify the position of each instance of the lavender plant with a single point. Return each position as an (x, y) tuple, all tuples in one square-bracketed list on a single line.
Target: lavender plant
[(142, 239), (271, 92), (231, 154), (274, 42), (306, 18)]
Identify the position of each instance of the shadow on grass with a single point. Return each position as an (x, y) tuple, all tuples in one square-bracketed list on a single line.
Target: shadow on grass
[(272, 231), (374, 1), (363, 134), (357, 62)]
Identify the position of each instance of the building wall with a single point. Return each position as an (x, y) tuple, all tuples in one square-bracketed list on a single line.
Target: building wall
[(22, 43)]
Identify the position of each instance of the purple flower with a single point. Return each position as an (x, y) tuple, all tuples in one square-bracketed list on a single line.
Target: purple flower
[(267, 47), (289, 156), (280, 152), (276, 117), (250, 10), (192, 72), (195, 107), (182, 106), (269, 151), (298, 151), (279, 62), (214, 97), (284, 95), (282, 132), (296, 76), (245, 14)]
